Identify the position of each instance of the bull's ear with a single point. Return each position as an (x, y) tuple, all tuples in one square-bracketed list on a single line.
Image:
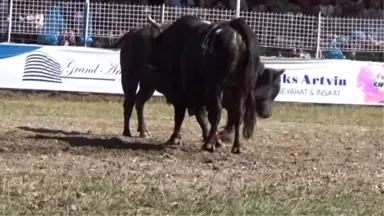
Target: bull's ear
[(278, 73)]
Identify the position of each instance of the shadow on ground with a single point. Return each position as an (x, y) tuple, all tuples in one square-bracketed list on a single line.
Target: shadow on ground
[(50, 131), (77, 139), (107, 143)]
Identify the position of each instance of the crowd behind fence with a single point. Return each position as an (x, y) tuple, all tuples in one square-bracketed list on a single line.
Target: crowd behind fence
[(99, 24)]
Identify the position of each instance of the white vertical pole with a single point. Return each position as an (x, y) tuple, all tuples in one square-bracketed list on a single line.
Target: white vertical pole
[(318, 36), (237, 8), (87, 5), (10, 8), (162, 13)]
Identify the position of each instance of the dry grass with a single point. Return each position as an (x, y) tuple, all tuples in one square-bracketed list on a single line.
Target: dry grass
[(64, 157)]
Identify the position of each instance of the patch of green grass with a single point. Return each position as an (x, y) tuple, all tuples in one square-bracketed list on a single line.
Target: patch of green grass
[(300, 113), (119, 196)]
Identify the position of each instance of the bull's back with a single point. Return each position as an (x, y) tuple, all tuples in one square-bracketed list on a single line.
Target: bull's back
[(220, 53)]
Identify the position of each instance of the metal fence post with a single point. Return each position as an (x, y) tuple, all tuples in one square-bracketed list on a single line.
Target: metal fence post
[(238, 8), (162, 13), (86, 27), (318, 41), (10, 14)]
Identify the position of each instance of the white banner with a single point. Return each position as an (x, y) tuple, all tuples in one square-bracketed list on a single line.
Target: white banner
[(80, 69)]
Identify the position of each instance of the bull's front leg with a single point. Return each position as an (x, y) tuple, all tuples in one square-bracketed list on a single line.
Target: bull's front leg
[(142, 97), (176, 137), (128, 106)]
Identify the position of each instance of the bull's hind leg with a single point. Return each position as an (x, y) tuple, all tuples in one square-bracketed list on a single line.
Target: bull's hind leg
[(176, 138), (238, 117), (214, 115), (143, 96), (129, 102), (201, 118), (226, 134)]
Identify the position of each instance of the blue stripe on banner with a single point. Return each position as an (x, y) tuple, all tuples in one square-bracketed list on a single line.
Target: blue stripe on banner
[(41, 67), (10, 50)]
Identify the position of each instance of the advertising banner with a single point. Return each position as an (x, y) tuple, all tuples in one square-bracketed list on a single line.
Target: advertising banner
[(80, 69)]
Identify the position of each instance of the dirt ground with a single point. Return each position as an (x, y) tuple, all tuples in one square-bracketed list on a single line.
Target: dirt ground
[(64, 154)]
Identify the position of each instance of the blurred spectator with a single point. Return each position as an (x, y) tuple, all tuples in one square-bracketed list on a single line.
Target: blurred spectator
[(67, 39), (374, 10), (306, 7), (325, 7), (260, 8), (349, 8), (284, 6), (219, 5), (32, 22), (53, 27), (231, 4)]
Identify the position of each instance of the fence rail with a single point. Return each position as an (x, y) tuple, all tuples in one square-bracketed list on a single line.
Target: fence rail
[(34, 19)]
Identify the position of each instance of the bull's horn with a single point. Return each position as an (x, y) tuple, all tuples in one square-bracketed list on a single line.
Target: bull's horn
[(153, 22)]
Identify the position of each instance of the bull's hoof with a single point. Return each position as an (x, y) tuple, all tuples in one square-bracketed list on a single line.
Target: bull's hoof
[(236, 150), (145, 134), (219, 143), (127, 133), (205, 138), (209, 146), (174, 141), (226, 136)]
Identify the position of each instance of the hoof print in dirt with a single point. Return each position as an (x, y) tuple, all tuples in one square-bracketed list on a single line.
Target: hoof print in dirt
[(236, 150), (209, 146), (127, 134), (174, 141), (145, 134)]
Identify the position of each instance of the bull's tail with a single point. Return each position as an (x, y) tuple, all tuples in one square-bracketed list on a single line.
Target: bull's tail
[(121, 40), (249, 119)]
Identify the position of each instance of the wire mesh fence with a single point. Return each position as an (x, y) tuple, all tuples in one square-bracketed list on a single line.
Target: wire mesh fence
[(285, 31), (45, 21), (95, 23), (4, 19), (352, 34)]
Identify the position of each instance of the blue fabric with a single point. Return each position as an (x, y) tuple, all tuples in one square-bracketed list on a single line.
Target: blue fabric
[(53, 26)]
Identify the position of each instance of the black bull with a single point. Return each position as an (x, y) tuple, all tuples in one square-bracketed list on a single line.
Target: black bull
[(134, 59), (201, 60), (205, 60), (136, 49)]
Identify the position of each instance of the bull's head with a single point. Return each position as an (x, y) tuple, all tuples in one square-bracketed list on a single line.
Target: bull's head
[(267, 88), (157, 30)]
